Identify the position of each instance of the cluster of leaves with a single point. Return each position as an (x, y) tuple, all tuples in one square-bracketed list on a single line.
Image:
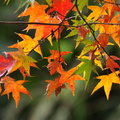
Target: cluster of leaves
[(49, 20)]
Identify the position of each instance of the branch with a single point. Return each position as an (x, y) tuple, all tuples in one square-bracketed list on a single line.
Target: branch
[(91, 30), (54, 24)]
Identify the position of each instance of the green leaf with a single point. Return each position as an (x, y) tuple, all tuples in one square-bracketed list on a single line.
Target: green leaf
[(87, 42), (88, 47), (77, 22), (78, 41), (82, 3), (49, 2), (85, 67), (7, 1), (85, 50), (24, 3), (72, 33)]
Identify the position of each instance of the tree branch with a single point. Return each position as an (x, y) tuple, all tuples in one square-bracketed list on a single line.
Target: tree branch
[(54, 24), (91, 30)]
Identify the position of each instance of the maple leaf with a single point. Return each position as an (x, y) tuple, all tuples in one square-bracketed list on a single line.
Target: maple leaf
[(111, 64), (96, 12), (6, 64), (116, 37), (23, 72), (111, 8), (86, 67), (82, 32), (22, 60), (54, 86), (61, 7), (54, 66), (55, 60), (69, 77), (65, 77), (95, 56), (37, 14), (87, 48), (111, 30), (27, 44), (56, 55), (14, 87), (103, 40), (106, 82), (115, 33)]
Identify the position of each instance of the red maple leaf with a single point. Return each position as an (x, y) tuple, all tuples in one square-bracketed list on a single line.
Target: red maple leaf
[(61, 7), (6, 64), (111, 64)]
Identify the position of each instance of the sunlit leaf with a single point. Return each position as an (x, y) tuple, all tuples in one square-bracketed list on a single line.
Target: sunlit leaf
[(106, 81)]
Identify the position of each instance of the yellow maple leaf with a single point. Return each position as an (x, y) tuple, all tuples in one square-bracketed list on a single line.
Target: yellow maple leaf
[(97, 12), (106, 82), (28, 44)]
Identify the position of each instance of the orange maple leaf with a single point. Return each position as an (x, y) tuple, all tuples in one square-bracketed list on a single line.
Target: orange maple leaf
[(54, 66), (54, 86), (69, 78), (55, 54), (106, 82), (65, 77), (103, 40), (111, 8), (55, 60), (37, 14), (14, 87)]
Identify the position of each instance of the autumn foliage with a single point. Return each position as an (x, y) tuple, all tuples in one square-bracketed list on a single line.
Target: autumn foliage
[(97, 31)]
